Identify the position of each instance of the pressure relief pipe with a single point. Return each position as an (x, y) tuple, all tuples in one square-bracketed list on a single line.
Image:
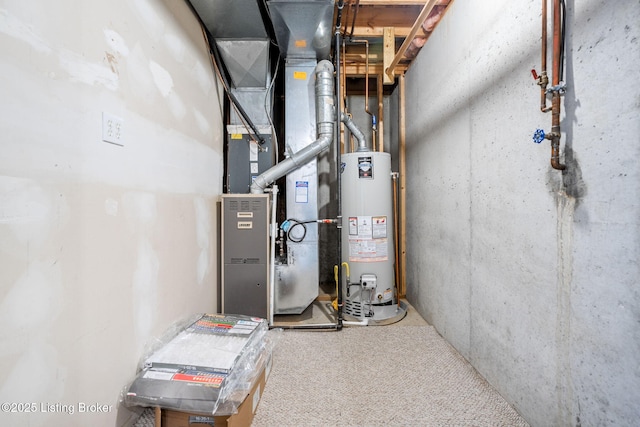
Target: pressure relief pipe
[(325, 120)]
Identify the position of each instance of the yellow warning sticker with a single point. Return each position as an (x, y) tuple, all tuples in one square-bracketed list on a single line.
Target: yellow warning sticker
[(236, 136), (301, 43), (300, 75)]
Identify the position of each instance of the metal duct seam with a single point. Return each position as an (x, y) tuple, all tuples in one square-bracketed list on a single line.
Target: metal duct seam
[(325, 120)]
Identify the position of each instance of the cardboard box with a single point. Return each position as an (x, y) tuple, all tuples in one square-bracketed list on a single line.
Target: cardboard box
[(242, 418)]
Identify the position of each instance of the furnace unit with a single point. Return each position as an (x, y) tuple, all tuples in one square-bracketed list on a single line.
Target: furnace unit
[(245, 254)]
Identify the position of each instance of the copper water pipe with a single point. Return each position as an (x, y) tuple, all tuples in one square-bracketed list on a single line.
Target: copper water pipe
[(543, 80), (396, 267), (554, 136), (366, 85), (343, 97)]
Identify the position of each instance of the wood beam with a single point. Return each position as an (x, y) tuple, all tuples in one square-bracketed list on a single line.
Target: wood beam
[(359, 69), (370, 21), (426, 10), (388, 52)]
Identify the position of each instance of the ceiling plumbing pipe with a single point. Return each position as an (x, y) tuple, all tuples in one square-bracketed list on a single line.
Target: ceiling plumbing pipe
[(325, 120)]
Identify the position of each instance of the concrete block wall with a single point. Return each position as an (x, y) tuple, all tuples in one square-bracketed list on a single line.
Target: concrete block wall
[(102, 246), (531, 273)]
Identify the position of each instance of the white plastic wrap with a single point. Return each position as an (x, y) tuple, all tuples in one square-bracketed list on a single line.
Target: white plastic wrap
[(204, 366)]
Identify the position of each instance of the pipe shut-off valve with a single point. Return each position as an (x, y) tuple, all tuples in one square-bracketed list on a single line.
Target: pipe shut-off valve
[(558, 87), (554, 136), (538, 136)]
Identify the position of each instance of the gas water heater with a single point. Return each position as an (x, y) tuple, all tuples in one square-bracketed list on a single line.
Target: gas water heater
[(368, 236)]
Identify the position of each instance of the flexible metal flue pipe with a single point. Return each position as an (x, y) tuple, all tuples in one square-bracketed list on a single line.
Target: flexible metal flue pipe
[(355, 131), (366, 76), (325, 120)]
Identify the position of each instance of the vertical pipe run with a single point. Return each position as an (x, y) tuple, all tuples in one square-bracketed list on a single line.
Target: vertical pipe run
[(543, 81), (403, 195), (343, 98), (366, 87), (380, 114), (339, 161), (396, 230), (555, 99), (272, 270), (556, 78)]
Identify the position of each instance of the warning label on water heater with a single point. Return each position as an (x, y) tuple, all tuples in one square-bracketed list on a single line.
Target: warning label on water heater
[(368, 239)]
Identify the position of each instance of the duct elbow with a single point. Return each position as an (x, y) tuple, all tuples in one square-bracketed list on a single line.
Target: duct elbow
[(325, 118), (325, 65), (257, 186), (324, 141), (355, 131)]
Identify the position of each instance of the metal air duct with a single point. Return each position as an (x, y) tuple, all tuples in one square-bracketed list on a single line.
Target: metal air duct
[(303, 27), (237, 19), (325, 119)]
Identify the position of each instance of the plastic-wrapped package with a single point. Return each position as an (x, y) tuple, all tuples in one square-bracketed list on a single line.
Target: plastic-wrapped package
[(203, 366)]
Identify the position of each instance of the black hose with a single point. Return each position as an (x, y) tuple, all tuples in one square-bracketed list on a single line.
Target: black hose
[(297, 223)]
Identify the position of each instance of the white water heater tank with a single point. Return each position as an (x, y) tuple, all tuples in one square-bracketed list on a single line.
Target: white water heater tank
[(368, 234)]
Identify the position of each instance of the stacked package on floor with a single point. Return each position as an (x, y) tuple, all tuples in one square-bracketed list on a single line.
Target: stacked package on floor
[(207, 368)]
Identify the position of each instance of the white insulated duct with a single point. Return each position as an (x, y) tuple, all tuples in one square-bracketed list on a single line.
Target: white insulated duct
[(325, 120)]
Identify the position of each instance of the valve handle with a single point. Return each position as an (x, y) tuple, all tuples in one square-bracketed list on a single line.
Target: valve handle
[(534, 74), (538, 136)]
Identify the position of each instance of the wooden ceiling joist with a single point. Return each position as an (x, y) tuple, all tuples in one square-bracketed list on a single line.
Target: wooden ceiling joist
[(385, 24), (370, 20)]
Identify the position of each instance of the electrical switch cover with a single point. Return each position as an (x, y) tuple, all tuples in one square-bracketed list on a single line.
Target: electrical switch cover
[(112, 129)]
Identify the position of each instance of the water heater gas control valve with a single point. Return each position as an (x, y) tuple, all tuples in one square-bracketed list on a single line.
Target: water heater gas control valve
[(368, 281)]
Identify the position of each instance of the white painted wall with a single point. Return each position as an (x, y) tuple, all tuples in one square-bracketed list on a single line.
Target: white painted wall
[(532, 274), (102, 246)]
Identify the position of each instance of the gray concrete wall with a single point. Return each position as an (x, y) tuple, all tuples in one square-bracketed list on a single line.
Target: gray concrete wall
[(531, 273), (102, 246)]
